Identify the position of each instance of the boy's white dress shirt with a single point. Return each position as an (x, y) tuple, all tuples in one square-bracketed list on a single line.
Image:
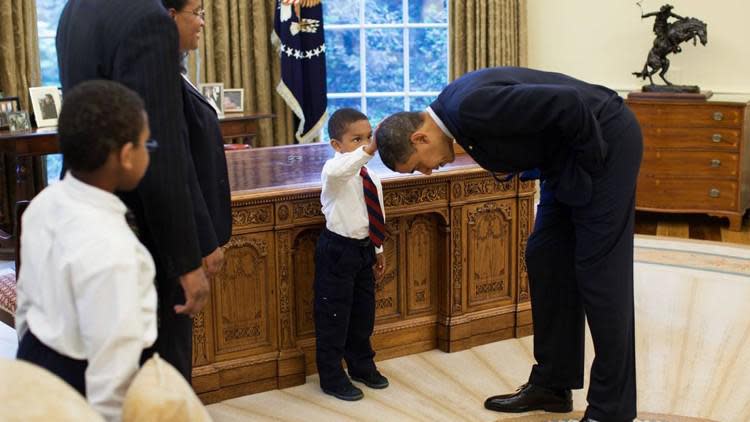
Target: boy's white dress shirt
[(343, 195), (86, 286)]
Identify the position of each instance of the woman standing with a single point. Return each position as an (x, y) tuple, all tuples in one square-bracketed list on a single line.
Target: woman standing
[(212, 206)]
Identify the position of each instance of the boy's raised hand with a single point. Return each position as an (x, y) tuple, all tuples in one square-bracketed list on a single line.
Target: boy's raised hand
[(372, 147)]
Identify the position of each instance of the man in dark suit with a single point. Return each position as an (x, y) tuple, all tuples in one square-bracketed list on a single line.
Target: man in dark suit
[(586, 147), (136, 44)]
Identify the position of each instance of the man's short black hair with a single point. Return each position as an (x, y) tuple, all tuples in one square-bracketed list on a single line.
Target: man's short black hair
[(340, 121), (98, 117), (393, 136)]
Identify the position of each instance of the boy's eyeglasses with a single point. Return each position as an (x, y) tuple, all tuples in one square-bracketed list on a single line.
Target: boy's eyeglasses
[(151, 145)]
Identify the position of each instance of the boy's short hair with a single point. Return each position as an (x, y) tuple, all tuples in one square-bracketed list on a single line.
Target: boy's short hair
[(340, 121), (98, 117)]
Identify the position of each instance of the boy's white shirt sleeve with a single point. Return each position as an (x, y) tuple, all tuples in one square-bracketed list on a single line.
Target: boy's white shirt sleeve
[(110, 330), (343, 166), (379, 249)]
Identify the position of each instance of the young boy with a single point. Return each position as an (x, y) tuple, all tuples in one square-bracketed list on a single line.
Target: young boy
[(348, 259), (86, 296)]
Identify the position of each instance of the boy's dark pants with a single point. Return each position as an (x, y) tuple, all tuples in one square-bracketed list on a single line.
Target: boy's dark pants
[(344, 307)]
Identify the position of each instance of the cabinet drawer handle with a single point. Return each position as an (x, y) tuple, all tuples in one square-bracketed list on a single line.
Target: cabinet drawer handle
[(718, 116), (716, 137), (714, 193), (715, 162)]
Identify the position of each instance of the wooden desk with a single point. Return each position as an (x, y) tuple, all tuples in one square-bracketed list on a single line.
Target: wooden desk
[(21, 146), (455, 275)]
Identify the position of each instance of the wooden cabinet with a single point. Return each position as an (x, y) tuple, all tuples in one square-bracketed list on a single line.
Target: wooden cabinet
[(455, 271), (696, 157)]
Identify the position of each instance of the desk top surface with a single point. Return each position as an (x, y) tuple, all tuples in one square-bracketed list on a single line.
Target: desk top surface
[(297, 168)]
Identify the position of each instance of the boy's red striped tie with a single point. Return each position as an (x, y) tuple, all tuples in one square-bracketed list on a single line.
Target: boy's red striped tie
[(374, 212)]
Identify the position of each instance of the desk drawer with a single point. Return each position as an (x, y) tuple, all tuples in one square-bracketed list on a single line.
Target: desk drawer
[(688, 115), (692, 138), (686, 194), (690, 164)]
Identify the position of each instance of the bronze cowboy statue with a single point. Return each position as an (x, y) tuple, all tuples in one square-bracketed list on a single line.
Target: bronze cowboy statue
[(669, 36)]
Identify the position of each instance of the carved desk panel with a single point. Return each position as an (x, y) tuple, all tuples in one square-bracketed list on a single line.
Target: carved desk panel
[(455, 274)]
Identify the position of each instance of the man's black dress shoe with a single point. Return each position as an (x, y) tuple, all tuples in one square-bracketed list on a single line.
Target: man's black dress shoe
[(530, 397), (346, 392), (374, 380), (588, 419)]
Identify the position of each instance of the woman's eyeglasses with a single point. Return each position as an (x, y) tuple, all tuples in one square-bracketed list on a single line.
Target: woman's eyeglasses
[(201, 13)]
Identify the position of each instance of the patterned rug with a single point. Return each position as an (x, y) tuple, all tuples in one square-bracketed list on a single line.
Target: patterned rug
[(692, 348), (576, 416)]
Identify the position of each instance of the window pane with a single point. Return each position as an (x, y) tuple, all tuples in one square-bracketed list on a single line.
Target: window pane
[(428, 11), (420, 103), (54, 167), (385, 60), (48, 62), (342, 60), (340, 11), (428, 48), (383, 11), (378, 108), (337, 103), (47, 14)]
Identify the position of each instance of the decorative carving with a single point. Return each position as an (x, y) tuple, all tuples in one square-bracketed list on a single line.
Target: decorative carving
[(200, 351), (284, 289), (489, 250), (303, 277), (421, 261), (308, 209), (251, 216), (283, 212), (243, 292), (260, 245), (384, 303), (416, 195), (527, 186), (491, 207), (487, 186), (457, 190), (457, 258), (238, 333), (523, 234)]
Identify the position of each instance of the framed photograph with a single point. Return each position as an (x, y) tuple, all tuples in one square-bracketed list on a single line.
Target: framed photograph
[(234, 100), (46, 102), (214, 93), (18, 121), (7, 105)]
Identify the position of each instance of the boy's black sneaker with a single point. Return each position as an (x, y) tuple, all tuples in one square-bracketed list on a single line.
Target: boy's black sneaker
[(346, 392), (373, 380)]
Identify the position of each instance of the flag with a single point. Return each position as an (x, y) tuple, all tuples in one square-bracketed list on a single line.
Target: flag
[(298, 36)]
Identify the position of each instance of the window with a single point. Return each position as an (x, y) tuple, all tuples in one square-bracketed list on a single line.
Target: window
[(384, 56), (47, 15)]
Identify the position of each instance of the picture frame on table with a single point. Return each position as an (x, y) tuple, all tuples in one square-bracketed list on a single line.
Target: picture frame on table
[(46, 102), (214, 93), (234, 100), (18, 121), (7, 105)]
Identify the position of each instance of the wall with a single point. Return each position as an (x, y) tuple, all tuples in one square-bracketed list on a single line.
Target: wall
[(603, 41)]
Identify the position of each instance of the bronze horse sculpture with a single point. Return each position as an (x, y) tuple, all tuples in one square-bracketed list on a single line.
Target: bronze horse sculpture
[(679, 31)]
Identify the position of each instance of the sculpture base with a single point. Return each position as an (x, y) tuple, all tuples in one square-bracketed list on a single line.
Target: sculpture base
[(692, 89), (669, 95)]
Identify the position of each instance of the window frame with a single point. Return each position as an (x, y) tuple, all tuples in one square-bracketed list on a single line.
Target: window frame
[(405, 25)]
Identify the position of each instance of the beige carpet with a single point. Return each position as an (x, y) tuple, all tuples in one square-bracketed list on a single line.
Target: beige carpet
[(693, 356)]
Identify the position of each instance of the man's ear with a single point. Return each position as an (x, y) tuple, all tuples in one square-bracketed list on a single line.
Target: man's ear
[(419, 137), (126, 155)]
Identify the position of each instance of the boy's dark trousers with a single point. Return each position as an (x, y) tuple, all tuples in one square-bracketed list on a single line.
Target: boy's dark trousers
[(344, 307)]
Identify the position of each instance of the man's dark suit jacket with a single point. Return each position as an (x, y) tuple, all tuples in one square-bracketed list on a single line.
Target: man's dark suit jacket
[(209, 159), (515, 119), (135, 42)]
